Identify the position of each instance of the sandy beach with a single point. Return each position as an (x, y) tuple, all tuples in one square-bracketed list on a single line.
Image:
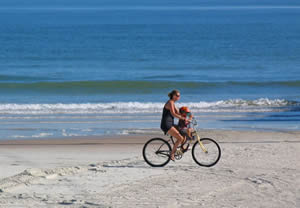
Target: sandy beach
[(257, 169)]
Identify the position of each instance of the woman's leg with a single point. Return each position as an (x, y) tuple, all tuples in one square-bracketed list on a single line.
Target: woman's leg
[(179, 139)]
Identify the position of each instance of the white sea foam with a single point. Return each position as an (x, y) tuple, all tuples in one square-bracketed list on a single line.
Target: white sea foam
[(41, 135), (141, 107), (18, 136)]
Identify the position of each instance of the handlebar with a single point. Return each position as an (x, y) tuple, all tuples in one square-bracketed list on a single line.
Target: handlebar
[(194, 122)]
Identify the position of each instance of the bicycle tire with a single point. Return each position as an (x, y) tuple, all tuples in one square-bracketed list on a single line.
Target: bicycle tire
[(200, 156), (157, 148)]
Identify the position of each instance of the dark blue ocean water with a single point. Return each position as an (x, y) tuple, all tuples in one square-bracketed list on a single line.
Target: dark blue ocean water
[(70, 68)]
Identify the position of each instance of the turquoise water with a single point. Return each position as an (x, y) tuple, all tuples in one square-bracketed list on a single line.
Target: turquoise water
[(68, 68)]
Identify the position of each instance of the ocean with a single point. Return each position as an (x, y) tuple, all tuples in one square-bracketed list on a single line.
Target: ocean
[(92, 69)]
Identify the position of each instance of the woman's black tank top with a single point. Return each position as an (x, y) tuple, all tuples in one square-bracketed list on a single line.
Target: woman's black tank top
[(167, 120)]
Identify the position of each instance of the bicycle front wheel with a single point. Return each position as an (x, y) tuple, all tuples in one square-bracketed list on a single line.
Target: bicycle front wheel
[(207, 155), (156, 152)]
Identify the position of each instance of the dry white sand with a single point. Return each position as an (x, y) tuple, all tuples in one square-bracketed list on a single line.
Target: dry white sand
[(257, 169)]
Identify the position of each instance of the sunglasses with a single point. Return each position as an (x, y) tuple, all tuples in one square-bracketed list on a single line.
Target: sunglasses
[(177, 95)]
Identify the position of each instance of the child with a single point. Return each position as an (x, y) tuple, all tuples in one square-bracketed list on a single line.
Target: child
[(183, 125)]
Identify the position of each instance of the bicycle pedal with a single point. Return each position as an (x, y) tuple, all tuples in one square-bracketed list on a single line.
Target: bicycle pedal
[(178, 156)]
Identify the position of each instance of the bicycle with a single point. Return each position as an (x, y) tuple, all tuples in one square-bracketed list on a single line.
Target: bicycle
[(205, 151)]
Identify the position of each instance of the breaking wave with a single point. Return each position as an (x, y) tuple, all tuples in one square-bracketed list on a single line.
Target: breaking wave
[(262, 104)]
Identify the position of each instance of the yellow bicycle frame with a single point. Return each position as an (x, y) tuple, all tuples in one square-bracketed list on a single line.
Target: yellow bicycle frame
[(201, 144)]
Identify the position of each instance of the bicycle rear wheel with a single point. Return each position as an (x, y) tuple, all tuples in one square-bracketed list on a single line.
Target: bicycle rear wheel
[(156, 152), (209, 156)]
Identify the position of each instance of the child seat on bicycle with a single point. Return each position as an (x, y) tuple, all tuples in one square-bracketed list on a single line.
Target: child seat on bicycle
[(183, 125)]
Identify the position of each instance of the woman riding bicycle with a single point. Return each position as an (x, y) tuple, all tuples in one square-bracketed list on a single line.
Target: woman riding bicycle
[(167, 121)]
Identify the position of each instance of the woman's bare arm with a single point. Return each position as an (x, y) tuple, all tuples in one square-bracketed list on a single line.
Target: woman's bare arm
[(173, 109), (176, 110)]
